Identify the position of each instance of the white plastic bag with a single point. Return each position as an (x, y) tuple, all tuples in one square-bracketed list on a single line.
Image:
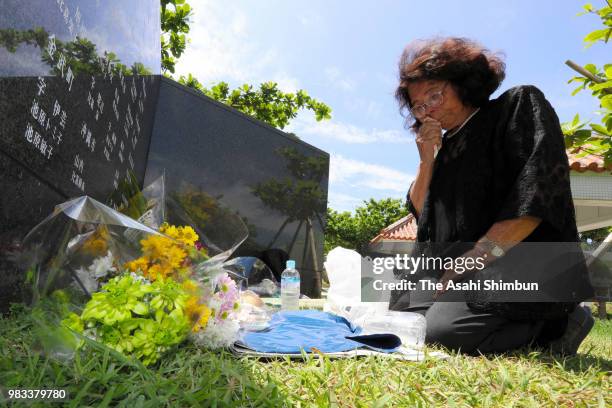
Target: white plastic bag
[(344, 269)]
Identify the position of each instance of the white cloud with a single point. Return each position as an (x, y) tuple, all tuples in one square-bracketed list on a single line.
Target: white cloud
[(343, 202), (370, 109), (373, 176), (222, 49), (338, 79), (285, 82), (346, 132), (310, 19)]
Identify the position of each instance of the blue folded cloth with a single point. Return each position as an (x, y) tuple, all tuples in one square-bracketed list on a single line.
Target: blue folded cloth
[(292, 332)]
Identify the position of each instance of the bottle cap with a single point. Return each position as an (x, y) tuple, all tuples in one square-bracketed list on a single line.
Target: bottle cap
[(290, 264)]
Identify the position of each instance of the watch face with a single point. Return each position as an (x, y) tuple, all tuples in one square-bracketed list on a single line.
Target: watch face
[(497, 251)]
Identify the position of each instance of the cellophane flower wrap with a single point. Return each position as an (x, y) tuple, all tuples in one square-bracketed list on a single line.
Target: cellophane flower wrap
[(139, 287)]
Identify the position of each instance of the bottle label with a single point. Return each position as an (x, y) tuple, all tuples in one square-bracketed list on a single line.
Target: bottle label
[(290, 281), (290, 293)]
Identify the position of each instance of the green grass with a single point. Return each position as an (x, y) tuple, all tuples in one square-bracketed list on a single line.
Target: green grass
[(192, 377)]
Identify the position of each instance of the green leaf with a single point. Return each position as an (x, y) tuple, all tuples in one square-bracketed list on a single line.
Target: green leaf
[(578, 89), (596, 35), (600, 86), (140, 308), (600, 129), (577, 79), (582, 135)]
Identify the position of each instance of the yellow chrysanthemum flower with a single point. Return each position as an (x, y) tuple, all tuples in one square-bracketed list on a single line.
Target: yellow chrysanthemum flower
[(164, 257), (187, 236), (190, 286), (174, 256), (97, 245), (156, 272), (156, 246), (141, 264), (169, 230), (198, 314)]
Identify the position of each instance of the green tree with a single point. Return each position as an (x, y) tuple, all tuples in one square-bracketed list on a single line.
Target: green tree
[(354, 231), (597, 138), (81, 54), (175, 15), (266, 103)]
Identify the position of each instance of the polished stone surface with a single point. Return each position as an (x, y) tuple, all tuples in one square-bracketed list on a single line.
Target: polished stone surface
[(25, 201), (69, 145), (129, 30), (274, 181), (78, 89)]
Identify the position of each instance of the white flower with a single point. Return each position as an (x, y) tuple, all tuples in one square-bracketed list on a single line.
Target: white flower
[(90, 284), (217, 334), (215, 303), (101, 266), (139, 278)]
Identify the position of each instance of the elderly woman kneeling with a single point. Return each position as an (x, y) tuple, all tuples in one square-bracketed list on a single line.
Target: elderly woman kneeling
[(493, 172)]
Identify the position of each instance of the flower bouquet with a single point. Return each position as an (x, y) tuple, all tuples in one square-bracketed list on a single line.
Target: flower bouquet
[(135, 289)]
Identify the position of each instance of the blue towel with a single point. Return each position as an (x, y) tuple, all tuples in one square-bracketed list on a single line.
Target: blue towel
[(290, 332)]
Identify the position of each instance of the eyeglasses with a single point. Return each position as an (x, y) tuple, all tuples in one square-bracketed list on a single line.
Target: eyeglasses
[(434, 100)]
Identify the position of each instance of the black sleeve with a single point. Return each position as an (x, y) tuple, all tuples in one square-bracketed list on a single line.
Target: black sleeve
[(536, 167), (409, 204)]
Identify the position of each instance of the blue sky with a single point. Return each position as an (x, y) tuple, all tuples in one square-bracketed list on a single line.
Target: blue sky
[(345, 54)]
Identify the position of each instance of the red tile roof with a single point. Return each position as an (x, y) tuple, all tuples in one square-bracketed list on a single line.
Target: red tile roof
[(581, 160), (404, 229)]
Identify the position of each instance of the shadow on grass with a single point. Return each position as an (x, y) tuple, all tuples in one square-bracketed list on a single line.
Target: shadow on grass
[(578, 363)]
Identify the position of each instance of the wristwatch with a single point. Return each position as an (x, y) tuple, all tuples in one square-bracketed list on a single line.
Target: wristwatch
[(491, 247)]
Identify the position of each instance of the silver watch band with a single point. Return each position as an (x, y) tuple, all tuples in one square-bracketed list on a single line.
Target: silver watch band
[(491, 247)]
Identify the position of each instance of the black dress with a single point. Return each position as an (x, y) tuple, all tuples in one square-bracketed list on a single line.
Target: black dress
[(508, 161)]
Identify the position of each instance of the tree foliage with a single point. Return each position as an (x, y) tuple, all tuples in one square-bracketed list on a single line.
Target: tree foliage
[(354, 231), (267, 103), (298, 197), (175, 15), (597, 137), (81, 55)]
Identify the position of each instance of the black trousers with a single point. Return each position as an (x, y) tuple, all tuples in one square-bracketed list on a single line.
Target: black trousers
[(453, 324)]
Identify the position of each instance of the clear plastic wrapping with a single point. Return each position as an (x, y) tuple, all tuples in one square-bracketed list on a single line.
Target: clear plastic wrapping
[(139, 284)]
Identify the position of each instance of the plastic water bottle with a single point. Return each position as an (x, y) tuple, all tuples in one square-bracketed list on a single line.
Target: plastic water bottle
[(290, 287)]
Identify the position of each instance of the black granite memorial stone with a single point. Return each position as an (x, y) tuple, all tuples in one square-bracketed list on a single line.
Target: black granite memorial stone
[(273, 180), (78, 90)]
